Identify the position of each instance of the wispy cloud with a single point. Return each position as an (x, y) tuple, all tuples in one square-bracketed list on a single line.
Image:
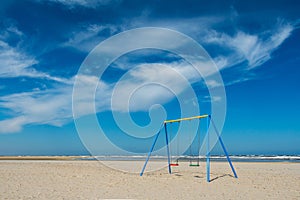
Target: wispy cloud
[(40, 107), (84, 3), (51, 106), (209, 99), (148, 84), (15, 62), (54, 106), (90, 35), (254, 49), (12, 125)]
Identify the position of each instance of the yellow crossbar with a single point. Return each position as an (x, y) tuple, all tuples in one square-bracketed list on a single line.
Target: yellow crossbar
[(186, 118)]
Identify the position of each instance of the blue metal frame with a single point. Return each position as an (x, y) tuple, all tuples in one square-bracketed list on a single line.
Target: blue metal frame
[(149, 154), (168, 152), (152, 147), (223, 147), (207, 154)]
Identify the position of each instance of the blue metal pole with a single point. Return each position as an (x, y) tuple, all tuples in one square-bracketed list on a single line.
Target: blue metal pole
[(207, 154), (168, 152), (223, 146), (149, 154)]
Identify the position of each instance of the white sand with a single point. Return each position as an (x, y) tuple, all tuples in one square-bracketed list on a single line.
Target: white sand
[(91, 180)]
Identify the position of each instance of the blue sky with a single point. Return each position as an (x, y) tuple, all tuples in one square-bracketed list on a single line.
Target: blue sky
[(254, 44)]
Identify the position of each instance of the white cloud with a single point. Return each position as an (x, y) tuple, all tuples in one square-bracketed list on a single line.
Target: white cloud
[(85, 3), (255, 49), (89, 36), (144, 86), (208, 99), (157, 83), (191, 26), (40, 107), (12, 125), (54, 106), (9, 32), (51, 106), (243, 48), (102, 95), (16, 63)]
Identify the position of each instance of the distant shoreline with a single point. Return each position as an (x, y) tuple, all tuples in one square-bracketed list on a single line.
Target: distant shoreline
[(39, 157), (155, 158)]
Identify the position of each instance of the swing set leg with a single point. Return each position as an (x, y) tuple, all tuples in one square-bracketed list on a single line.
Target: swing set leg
[(207, 155), (223, 147), (149, 154), (151, 150), (168, 152)]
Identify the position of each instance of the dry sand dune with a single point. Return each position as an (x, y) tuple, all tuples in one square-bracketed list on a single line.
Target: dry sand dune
[(92, 180)]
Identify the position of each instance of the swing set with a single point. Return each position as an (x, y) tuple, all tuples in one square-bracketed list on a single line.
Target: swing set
[(193, 149), (192, 164)]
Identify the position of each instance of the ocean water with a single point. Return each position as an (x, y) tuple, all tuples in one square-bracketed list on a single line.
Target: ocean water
[(220, 158)]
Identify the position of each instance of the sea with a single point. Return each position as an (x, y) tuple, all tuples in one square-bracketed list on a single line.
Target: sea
[(216, 158)]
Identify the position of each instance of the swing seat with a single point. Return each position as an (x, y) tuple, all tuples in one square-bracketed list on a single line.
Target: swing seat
[(174, 164), (194, 165)]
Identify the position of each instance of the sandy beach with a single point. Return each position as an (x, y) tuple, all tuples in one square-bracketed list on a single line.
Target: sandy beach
[(61, 179)]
